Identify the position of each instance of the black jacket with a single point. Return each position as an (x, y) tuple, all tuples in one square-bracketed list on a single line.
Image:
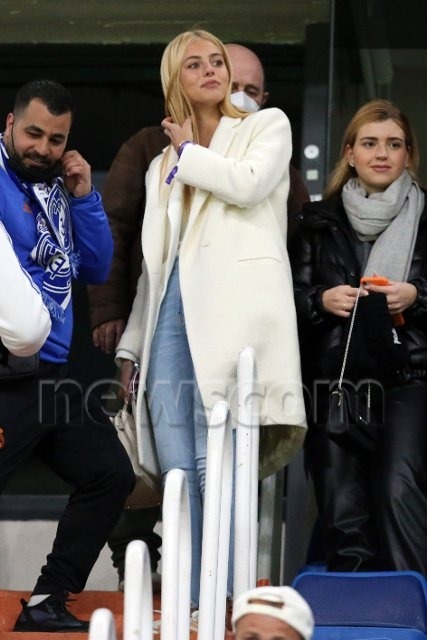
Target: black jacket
[(323, 256)]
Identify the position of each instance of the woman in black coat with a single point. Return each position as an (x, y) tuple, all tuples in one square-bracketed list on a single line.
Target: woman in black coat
[(371, 222)]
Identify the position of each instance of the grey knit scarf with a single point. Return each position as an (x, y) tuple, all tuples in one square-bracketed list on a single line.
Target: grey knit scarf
[(389, 218)]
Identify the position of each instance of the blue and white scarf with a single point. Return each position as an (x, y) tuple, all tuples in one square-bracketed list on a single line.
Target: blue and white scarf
[(54, 249)]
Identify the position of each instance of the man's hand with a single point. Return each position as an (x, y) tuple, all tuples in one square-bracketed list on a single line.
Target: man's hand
[(77, 174), (106, 336)]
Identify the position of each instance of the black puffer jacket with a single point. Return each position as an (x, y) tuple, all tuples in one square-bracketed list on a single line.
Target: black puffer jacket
[(322, 256)]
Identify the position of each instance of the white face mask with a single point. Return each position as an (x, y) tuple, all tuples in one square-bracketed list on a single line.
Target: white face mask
[(241, 100)]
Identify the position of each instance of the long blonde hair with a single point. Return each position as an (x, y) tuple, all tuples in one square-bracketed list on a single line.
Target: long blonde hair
[(373, 111), (177, 104)]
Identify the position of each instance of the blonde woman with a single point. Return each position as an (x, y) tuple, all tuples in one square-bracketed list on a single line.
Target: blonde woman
[(216, 274)]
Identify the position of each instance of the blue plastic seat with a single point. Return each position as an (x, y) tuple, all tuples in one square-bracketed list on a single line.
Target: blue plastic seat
[(366, 605), (366, 633), (313, 567)]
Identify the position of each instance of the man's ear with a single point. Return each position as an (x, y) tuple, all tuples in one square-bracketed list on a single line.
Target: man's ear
[(10, 119), (264, 98)]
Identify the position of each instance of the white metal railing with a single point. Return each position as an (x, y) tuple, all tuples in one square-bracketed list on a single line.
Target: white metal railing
[(176, 530), (102, 625), (138, 600), (138, 596), (216, 524), (176, 558), (246, 491), (218, 499)]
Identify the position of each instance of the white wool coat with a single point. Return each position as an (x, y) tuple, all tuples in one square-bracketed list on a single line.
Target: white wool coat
[(24, 320), (235, 278)]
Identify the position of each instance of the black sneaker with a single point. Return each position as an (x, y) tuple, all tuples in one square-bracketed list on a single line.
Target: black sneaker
[(50, 615)]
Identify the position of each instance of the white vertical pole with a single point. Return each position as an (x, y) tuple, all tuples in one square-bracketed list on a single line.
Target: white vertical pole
[(176, 558), (102, 625), (138, 598), (246, 492), (216, 525)]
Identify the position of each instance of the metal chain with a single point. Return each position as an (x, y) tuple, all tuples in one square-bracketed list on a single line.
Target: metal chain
[(347, 346)]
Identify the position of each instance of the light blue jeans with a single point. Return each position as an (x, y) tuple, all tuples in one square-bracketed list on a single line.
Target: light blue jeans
[(177, 413)]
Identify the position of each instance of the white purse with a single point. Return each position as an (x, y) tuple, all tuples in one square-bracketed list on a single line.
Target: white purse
[(141, 449)]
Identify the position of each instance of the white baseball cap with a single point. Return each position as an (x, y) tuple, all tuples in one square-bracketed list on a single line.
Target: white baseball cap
[(283, 603)]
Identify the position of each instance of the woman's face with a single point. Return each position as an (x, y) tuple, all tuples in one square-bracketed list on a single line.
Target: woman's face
[(379, 154), (204, 75)]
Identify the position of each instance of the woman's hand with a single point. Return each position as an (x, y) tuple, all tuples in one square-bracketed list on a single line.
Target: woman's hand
[(340, 300), (176, 133), (126, 372), (400, 295)]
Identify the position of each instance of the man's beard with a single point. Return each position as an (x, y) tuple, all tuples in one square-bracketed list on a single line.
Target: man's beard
[(34, 173)]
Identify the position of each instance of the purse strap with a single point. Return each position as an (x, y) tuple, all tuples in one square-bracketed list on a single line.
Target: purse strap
[(347, 346), (134, 380), (132, 387)]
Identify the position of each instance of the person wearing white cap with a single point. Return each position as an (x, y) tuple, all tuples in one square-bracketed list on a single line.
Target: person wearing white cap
[(265, 613)]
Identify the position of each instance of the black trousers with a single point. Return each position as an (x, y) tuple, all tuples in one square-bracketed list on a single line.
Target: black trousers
[(135, 524), (50, 415), (373, 507)]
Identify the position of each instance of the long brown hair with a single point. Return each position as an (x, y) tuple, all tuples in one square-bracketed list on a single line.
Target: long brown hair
[(373, 111)]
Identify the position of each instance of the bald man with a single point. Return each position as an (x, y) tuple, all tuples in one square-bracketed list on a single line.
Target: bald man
[(111, 302), (248, 74)]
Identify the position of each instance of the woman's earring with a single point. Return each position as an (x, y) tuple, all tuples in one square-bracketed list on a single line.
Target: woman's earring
[(351, 163)]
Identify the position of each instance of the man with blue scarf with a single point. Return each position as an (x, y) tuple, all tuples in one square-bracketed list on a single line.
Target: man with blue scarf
[(59, 232)]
